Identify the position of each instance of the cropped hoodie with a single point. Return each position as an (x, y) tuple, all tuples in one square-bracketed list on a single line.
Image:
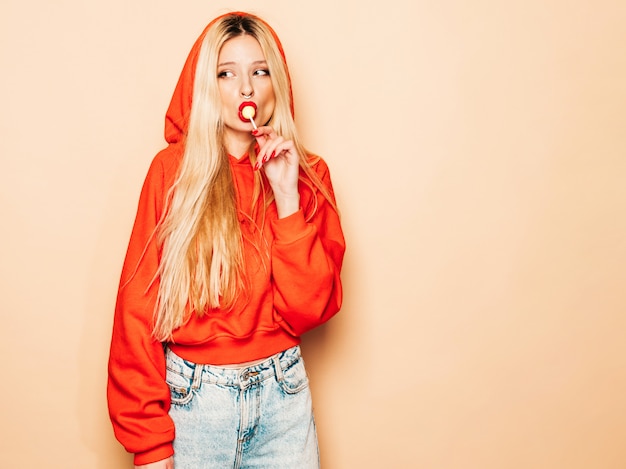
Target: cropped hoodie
[(297, 289)]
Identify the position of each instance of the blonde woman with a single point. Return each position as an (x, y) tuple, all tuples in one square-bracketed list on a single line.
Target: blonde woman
[(236, 251)]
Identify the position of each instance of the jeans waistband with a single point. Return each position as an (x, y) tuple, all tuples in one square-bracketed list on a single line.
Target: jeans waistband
[(237, 377)]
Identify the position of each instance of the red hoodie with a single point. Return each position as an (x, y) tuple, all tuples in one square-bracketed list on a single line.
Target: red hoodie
[(296, 290)]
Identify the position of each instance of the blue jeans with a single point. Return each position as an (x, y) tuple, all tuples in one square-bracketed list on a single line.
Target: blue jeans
[(255, 417)]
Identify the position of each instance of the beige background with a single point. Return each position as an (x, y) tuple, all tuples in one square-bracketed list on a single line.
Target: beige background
[(479, 155)]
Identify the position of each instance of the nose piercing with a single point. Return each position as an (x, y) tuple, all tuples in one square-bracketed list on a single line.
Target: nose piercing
[(247, 96)]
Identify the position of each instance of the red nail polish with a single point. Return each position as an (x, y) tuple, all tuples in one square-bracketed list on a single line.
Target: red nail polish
[(272, 155), (255, 131)]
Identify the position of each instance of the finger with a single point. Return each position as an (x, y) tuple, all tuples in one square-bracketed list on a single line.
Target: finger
[(264, 158), (260, 139), (264, 130), (269, 150), (285, 149)]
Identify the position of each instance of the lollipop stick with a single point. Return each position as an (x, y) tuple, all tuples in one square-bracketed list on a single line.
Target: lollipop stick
[(253, 124)]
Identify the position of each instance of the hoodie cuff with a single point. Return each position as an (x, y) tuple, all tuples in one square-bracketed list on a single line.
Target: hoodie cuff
[(289, 229), (155, 454)]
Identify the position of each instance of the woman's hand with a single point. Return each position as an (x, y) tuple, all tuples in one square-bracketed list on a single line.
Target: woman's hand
[(163, 464), (281, 162)]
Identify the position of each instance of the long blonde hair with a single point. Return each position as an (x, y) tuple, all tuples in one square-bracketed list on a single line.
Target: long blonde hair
[(202, 264)]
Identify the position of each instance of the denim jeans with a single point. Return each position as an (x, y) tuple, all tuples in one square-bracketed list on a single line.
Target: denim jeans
[(255, 417)]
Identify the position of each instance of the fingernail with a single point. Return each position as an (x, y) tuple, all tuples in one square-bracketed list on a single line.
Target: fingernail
[(255, 131)]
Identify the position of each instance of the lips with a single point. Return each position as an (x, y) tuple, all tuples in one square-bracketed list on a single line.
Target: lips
[(243, 105)]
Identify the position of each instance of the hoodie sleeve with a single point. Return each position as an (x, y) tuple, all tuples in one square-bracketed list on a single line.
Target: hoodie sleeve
[(306, 262), (137, 394)]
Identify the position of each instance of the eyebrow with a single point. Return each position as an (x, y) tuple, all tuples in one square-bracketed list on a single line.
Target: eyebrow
[(256, 62)]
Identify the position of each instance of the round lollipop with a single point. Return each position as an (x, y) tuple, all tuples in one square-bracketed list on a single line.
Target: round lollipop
[(247, 111)]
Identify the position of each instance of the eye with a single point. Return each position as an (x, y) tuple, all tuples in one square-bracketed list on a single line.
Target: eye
[(225, 74), (261, 72)]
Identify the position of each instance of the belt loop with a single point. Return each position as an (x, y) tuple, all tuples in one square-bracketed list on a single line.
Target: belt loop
[(197, 376), (278, 368)]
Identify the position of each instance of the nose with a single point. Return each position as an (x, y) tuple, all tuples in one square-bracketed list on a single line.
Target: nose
[(246, 89)]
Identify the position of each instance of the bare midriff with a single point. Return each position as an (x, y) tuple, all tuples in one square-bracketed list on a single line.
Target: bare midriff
[(236, 366)]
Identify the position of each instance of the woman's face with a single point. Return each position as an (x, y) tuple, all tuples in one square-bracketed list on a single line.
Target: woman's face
[(243, 76)]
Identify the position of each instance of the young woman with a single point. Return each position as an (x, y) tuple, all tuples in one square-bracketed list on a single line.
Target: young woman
[(236, 251)]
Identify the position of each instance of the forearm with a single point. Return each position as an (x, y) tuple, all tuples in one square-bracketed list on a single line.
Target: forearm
[(286, 204)]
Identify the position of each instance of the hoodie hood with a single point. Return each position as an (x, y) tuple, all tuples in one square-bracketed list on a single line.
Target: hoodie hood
[(177, 116)]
